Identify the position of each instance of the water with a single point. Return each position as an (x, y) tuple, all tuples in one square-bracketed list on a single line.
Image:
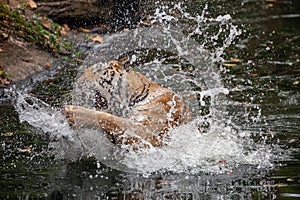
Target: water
[(249, 150), (221, 142)]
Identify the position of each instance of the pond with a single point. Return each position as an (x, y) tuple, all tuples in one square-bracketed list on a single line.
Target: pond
[(241, 57)]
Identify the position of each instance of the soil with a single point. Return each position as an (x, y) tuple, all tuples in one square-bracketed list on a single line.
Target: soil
[(21, 59)]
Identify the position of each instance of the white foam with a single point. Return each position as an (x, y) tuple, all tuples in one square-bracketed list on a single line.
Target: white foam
[(41, 115), (220, 148)]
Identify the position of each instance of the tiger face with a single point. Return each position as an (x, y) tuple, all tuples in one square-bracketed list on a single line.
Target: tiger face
[(123, 100), (107, 88)]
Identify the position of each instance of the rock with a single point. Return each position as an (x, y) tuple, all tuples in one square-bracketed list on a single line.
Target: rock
[(25, 51), (59, 9), (80, 13), (23, 59)]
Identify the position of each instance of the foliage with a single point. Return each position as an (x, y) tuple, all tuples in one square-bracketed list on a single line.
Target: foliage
[(39, 30)]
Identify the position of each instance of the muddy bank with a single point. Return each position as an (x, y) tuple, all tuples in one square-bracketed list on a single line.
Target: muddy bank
[(22, 59), (29, 43), (36, 34)]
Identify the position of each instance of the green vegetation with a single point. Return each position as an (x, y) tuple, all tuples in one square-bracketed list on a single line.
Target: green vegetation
[(39, 30)]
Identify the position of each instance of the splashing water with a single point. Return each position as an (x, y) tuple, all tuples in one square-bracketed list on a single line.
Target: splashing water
[(221, 147), (41, 115)]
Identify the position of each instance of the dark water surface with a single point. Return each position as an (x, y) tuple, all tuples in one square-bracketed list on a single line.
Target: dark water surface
[(261, 70)]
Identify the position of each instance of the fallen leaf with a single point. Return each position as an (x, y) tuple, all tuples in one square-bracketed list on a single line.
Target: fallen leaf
[(4, 81), (263, 45), (78, 60), (176, 68), (46, 24), (96, 39), (28, 149), (8, 134), (296, 83), (5, 35), (63, 33), (48, 65), (25, 150), (236, 89), (290, 179), (229, 64), (275, 185), (270, 133), (32, 4), (235, 60), (84, 30), (66, 27), (253, 75)]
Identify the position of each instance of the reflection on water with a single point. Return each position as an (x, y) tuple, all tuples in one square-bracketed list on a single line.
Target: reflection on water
[(246, 53), (111, 184)]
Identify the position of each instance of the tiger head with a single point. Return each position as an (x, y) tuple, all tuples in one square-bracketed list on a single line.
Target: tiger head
[(110, 87)]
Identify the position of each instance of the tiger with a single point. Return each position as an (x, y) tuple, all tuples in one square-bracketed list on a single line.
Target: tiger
[(126, 102)]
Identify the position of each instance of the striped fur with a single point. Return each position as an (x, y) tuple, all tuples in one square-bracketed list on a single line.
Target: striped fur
[(126, 100)]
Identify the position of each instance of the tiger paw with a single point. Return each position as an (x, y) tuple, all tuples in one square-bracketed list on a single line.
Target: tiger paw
[(78, 116), (68, 111)]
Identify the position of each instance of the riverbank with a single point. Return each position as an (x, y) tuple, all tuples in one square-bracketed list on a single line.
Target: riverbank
[(31, 42)]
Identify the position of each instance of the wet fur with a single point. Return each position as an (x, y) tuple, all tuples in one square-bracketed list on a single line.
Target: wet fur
[(127, 101)]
